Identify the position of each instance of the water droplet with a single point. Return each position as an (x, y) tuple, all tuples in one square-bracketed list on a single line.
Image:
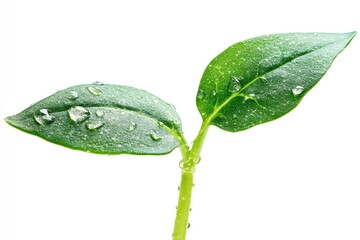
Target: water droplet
[(43, 117), (190, 209), (262, 78), (188, 225), (94, 90), (99, 113), (98, 83), (78, 114), (181, 164), (297, 90), (172, 106), (200, 95), (92, 125), (197, 160), (234, 84), (178, 187), (154, 136), (132, 126), (73, 95)]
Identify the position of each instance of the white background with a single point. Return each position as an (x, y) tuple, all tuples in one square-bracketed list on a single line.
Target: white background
[(294, 178)]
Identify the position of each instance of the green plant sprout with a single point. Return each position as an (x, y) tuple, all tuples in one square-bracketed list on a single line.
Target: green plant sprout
[(250, 83)]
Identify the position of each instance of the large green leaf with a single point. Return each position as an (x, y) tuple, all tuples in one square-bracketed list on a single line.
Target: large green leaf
[(105, 119), (261, 79)]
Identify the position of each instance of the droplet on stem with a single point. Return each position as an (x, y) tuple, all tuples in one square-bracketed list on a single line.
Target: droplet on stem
[(181, 164), (197, 160)]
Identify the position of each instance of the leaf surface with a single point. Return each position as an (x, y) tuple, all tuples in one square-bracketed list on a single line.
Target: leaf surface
[(262, 79), (104, 119)]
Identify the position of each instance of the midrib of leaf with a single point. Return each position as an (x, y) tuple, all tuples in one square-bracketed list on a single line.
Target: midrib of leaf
[(218, 108)]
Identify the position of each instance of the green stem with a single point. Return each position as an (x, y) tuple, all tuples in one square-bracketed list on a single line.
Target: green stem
[(183, 208), (188, 163)]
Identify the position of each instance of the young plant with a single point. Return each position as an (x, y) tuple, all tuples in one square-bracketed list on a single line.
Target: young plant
[(250, 83)]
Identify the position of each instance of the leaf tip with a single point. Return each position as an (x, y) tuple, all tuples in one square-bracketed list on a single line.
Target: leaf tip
[(14, 121), (10, 120), (352, 34)]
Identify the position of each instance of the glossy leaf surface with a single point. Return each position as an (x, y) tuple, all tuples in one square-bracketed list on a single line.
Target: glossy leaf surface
[(105, 119), (261, 79)]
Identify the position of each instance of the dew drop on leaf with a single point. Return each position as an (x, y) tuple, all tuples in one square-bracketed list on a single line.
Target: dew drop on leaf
[(262, 78), (98, 83), (200, 95), (73, 95), (99, 113), (95, 91), (78, 114), (92, 125), (43, 117), (172, 106), (234, 84), (297, 90), (132, 126), (154, 136)]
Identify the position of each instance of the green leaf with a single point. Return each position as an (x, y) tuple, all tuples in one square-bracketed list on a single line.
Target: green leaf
[(262, 79), (104, 119)]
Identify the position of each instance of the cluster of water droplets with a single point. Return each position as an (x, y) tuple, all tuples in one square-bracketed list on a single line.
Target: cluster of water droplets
[(79, 114)]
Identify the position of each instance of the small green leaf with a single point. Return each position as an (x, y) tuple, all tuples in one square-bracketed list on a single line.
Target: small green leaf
[(105, 119), (262, 79)]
